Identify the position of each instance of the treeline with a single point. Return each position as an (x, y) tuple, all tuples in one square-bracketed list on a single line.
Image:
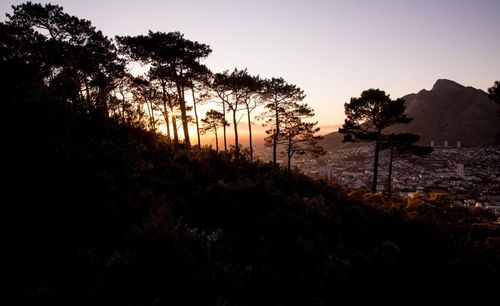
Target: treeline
[(70, 58)]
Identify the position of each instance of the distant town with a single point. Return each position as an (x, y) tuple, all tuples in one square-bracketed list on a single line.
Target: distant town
[(470, 176)]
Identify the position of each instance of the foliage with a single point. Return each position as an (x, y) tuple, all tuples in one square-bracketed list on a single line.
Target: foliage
[(173, 59), (367, 116), (212, 122), (72, 56), (280, 97), (235, 89), (494, 95), (494, 92), (296, 134)]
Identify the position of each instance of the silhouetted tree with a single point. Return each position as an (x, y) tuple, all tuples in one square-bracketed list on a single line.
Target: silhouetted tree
[(76, 57), (297, 135), (145, 94), (494, 92), (279, 96), (169, 98), (368, 116), (400, 145), (212, 122), (171, 55), (494, 95), (219, 86), (233, 89), (123, 106), (199, 79), (252, 100)]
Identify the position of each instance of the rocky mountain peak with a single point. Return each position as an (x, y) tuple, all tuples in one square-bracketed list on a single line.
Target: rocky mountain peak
[(445, 84)]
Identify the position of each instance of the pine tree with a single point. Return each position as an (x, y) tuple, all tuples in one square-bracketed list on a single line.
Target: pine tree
[(368, 116), (212, 122)]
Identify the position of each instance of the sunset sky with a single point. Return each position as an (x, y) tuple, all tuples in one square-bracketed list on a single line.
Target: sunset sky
[(331, 49)]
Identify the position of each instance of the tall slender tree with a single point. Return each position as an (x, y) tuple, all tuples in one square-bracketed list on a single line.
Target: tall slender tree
[(252, 99), (146, 94), (212, 122), (401, 145), (279, 95), (367, 117), (122, 106), (199, 78), (297, 135), (233, 88)]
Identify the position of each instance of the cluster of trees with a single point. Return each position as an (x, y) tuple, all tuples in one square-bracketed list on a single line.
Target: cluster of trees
[(368, 116), (494, 95), (75, 60), (494, 92)]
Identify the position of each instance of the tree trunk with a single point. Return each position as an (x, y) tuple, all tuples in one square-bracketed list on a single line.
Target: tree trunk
[(122, 111), (250, 144), (151, 115), (216, 141), (375, 165), (276, 133), (165, 110), (289, 152), (196, 117), (389, 177), (182, 104), (87, 94), (174, 125), (167, 122), (236, 142), (224, 126)]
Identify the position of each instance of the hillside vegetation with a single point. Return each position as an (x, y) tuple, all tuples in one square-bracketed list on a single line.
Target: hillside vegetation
[(102, 210), (105, 213)]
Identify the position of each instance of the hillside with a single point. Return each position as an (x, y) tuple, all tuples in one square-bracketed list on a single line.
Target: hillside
[(100, 209), (452, 112), (105, 213), (448, 112)]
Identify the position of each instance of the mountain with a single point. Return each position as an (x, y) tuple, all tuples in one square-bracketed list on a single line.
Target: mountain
[(448, 112), (451, 112)]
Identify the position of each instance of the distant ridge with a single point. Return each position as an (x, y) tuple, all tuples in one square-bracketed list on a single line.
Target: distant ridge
[(448, 112), (451, 112)]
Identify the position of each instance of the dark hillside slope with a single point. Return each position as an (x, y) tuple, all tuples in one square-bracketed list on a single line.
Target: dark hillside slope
[(102, 213)]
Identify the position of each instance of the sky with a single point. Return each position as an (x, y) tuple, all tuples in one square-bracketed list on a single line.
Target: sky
[(333, 50)]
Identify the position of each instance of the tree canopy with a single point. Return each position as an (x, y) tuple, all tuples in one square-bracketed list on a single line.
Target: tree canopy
[(280, 96), (367, 116), (494, 92)]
